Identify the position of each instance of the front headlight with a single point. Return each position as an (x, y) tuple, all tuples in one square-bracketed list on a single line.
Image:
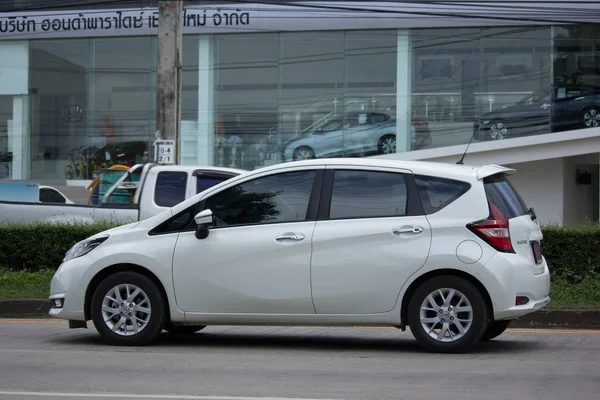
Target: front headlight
[(84, 247)]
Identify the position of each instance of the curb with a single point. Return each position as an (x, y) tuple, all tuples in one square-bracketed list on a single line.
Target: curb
[(24, 308), (544, 319)]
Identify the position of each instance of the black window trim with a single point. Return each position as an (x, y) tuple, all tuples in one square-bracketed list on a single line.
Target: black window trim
[(413, 203), (311, 211), (457, 196)]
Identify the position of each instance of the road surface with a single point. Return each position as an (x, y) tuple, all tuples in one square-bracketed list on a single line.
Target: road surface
[(44, 360)]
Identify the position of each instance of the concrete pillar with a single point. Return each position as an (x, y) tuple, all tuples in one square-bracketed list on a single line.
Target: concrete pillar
[(168, 71), (404, 91), (206, 96)]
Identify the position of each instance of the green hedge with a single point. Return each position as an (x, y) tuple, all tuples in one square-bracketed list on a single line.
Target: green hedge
[(573, 253), (42, 245)]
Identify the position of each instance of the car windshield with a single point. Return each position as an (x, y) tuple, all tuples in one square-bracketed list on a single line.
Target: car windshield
[(535, 97)]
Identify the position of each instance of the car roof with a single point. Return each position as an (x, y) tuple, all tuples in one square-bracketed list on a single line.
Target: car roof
[(192, 168), (416, 167)]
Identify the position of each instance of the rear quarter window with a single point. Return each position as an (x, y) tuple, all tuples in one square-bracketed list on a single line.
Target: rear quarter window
[(170, 188), (502, 194), (437, 193)]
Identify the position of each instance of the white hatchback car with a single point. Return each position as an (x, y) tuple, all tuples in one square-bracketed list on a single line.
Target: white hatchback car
[(449, 250)]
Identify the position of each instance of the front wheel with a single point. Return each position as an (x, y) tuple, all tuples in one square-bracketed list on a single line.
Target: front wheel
[(495, 329), (447, 314), (128, 309)]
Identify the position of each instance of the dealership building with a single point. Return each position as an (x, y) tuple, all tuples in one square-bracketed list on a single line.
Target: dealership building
[(517, 82)]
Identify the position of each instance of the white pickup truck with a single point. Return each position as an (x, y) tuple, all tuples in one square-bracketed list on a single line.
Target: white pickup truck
[(159, 188)]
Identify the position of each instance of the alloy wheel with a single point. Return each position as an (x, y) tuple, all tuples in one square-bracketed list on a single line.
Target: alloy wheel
[(446, 315), (498, 131), (126, 310), (303, 154), (591, 118), (388, 145)]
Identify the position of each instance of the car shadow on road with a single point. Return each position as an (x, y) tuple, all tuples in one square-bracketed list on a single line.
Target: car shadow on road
[(301, 341)]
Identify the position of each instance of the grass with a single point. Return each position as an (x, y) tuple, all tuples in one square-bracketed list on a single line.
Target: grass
[(24, 284), (36, 285)]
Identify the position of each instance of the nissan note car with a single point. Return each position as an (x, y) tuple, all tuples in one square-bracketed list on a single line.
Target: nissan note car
[(450, 251)]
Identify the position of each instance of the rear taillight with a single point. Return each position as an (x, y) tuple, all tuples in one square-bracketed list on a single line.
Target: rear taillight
[(494, 230)]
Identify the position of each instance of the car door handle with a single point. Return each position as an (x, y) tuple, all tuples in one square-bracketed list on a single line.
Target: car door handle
[(290, 236), (412, 229)]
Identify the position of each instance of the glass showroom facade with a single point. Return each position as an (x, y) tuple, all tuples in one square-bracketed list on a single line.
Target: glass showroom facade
[(69, 106)]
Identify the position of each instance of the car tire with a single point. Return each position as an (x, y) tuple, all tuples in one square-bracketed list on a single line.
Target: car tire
[(495, 329), (446, 336), (183, 329), (590, 118), (387, 144), (498, 130), (116, 321), (303, 153)]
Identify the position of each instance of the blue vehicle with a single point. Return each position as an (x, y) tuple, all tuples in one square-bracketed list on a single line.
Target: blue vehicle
[(353, 134)]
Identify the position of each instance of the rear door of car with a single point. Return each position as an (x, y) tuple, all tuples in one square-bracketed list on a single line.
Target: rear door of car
[(370, 236)]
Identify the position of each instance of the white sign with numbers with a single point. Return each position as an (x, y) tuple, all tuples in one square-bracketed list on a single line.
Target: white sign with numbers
[(165, 151)]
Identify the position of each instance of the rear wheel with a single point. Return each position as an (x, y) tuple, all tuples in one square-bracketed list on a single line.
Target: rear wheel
[(447, 314), (183, 329), (128, 309), (498, 130), (387, 144), (303, 153), (591, 117), (495, 329)]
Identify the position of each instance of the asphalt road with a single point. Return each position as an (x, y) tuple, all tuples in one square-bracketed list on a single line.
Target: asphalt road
[(43, 359)]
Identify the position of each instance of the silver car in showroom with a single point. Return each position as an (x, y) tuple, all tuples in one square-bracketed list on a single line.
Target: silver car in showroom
[(353, 134)]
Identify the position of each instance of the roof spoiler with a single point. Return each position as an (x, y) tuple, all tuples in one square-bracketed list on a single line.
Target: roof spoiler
[(492, 169)]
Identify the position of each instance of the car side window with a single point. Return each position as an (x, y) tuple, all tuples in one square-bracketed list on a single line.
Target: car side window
[(276, 198), (436, 193), (368, 194), (205, 182), (170, 188), (51, 196)]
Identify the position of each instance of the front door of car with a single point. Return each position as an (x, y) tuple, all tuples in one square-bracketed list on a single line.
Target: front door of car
[(534, 115), (370, 238), (256, 258)]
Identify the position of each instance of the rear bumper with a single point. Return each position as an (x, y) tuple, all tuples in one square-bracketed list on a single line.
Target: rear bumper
[(508, 276)]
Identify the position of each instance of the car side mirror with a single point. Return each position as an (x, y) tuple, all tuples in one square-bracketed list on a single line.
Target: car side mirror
[(204, 219)]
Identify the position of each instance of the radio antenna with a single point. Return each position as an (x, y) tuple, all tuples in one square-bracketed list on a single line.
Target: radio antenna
[(460, 162)]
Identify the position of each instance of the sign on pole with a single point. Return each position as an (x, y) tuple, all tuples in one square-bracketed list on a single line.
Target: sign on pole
[(164, 151)]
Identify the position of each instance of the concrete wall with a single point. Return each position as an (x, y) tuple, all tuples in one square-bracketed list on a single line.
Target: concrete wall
[(580, 201), (550, 187), (540, 183)]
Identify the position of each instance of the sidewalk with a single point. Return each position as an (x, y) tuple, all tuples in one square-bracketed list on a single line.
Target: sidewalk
[(547, 318)]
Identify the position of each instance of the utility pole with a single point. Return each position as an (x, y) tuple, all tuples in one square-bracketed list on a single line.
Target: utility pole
[(168, 74)]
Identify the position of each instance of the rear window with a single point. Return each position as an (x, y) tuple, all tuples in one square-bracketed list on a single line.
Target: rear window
[(437, 193), (170, 188), (502, 194), (206, 182)]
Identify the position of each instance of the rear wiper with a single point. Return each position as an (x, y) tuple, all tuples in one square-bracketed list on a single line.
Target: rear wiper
[(532, 214)]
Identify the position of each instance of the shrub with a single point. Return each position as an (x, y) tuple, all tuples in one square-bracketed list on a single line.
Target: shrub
[(42, 245), (572, 252)]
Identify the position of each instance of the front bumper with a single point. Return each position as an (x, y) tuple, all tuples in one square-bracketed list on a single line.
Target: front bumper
[(69, 285)]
